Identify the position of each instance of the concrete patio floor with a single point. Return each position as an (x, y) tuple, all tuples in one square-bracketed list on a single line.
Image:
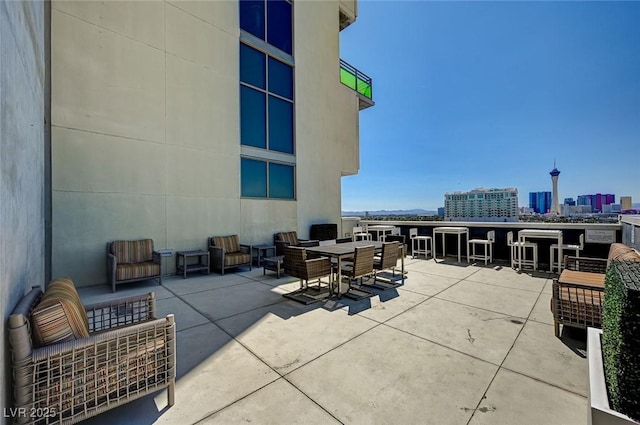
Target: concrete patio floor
[(457, 344)]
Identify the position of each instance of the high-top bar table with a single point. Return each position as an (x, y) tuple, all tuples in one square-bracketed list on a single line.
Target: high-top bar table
[(453, 231), (381, 230), (540, 233)]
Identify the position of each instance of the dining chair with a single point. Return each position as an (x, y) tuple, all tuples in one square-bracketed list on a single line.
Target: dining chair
[(514, 247), (387, 260), (296, 264), (565, 247), (356, 271), (420, 243), (487, 255)]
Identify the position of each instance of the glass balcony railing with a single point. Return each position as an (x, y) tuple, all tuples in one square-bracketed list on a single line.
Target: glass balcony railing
[(356, 80)]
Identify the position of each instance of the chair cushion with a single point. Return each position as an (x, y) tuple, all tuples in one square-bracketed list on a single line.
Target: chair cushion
[(619, 251), (236, 258), (289, 237), (137, 271), (60, 315), (130, 252), (228, 243)]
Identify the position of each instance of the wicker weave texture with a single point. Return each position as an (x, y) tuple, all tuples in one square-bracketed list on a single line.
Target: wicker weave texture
[(133, 355), (297, 265), (389, 256), (576, 305), (585, 264)]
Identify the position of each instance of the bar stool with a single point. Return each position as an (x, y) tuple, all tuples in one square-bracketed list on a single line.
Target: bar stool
[(488, 247), (416, 249), (565, 247), (515, 249), (360, 235)]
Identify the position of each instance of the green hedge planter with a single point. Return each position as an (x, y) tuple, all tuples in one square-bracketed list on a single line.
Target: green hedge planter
[(621, 337)]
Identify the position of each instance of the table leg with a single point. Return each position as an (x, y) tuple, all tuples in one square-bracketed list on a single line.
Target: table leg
[(184, 266), (402, 261), (467, 236), (339, 276), (434, 242), (520, 240), (560, 256), (444, 249)]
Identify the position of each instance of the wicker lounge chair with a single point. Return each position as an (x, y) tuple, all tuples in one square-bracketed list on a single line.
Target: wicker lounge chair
[(78, 369)]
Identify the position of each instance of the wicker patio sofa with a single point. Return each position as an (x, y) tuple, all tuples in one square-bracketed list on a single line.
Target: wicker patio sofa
[(578, 292), (92, 359), (130, 261), (226, 252)]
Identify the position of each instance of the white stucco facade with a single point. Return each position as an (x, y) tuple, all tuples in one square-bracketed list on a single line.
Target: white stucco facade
[(145, 128)]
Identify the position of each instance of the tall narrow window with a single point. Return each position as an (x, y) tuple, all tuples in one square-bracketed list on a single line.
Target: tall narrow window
[(267, 113)]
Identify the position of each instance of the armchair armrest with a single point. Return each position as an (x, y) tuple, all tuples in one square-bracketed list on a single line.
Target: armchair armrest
[(157, 257), (585, 264), (244, 248), (121, 312), (280, 246), (306, 243)]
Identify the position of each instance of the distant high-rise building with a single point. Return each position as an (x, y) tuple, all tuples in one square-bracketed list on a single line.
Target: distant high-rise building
[(555, 205), (625, 202), (482, 205), (597, 201), (440, 211), (569, 201), (540, 202)]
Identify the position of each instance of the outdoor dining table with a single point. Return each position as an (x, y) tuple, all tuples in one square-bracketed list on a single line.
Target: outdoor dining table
[(341, 251), (381, 230), (450, 230), (540, 233)]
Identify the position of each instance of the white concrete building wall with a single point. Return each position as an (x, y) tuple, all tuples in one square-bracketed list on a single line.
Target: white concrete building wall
[(145, 136), (22, 94)]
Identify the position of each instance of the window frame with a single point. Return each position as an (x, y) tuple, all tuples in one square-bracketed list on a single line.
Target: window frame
[(267, 163)]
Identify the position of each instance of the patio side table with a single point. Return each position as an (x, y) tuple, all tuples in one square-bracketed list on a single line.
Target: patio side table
[(262, 250), (274, 264), (185, 267)]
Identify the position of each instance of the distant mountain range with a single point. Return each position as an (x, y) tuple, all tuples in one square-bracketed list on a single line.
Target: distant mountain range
[(417, 211)]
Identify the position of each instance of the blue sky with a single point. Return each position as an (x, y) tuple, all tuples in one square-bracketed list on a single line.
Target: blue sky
[(487, 94)]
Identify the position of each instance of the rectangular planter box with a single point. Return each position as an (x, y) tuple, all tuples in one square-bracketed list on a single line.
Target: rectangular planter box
[(599, 411)]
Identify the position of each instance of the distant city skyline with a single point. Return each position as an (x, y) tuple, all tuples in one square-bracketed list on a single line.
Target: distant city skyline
[(489, 94)]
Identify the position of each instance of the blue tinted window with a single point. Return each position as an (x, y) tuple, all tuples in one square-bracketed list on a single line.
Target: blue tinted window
[(252, 17), (252, 118), (280, 78), (253, 178), (280, 181), (252, 66), (279, 25), (280, 125)]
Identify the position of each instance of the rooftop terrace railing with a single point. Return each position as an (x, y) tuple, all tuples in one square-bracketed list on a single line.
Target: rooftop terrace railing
[(355, 79), (501, 252)]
